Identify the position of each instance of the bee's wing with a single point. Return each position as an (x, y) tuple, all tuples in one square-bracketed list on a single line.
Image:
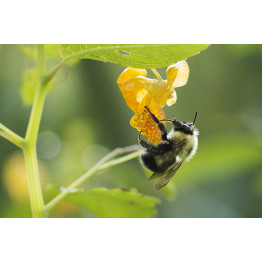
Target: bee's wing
[(165, 167), (156, 175), (164, 179)]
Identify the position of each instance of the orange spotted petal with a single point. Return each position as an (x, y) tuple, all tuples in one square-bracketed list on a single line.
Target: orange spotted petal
[(177, 74), (144, 123)]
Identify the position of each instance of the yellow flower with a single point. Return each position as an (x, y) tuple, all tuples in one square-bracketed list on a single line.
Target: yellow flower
[(140, 91)]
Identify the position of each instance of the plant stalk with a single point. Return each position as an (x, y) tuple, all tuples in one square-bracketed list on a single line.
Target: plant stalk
[(157, 74), (35, 191), (29, 147), (100, 165), (11, 136)]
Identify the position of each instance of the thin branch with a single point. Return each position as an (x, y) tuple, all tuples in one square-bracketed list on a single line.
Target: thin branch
[(11, 136), (120, 160), (98, 166), (157, 74)]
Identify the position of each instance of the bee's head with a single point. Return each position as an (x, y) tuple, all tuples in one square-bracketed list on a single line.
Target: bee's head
[(186, 128), (183, 127)]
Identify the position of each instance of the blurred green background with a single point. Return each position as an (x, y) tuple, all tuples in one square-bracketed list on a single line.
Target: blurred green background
[(85, 117)]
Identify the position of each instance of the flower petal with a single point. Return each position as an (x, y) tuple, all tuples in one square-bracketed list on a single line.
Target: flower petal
[(130, 73), (144, 123), (159, 91), (134, 93), (177, 74), (172, 99)]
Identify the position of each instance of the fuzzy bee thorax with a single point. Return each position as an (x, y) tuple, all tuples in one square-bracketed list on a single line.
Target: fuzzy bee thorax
[(189, 146)]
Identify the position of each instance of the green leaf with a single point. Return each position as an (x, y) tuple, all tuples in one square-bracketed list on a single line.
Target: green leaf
[(137, 56), (115, 203)]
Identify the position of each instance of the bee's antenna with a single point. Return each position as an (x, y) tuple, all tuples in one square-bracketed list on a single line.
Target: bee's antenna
[(195, 118)]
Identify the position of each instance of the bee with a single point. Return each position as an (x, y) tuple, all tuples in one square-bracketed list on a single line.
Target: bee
[(178, 146)]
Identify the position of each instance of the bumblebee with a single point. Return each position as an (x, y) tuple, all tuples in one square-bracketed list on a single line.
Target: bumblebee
[(179, 145)]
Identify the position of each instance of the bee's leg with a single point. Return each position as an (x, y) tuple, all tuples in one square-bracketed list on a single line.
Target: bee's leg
[(161, 126), (145, 144)]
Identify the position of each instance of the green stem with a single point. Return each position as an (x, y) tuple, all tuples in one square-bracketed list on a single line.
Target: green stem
[(35, 191), (157, 74), (29, 148), (11, 136), (41, 60), (120, 160), (36, 114), (37, 109), (98, 166)]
